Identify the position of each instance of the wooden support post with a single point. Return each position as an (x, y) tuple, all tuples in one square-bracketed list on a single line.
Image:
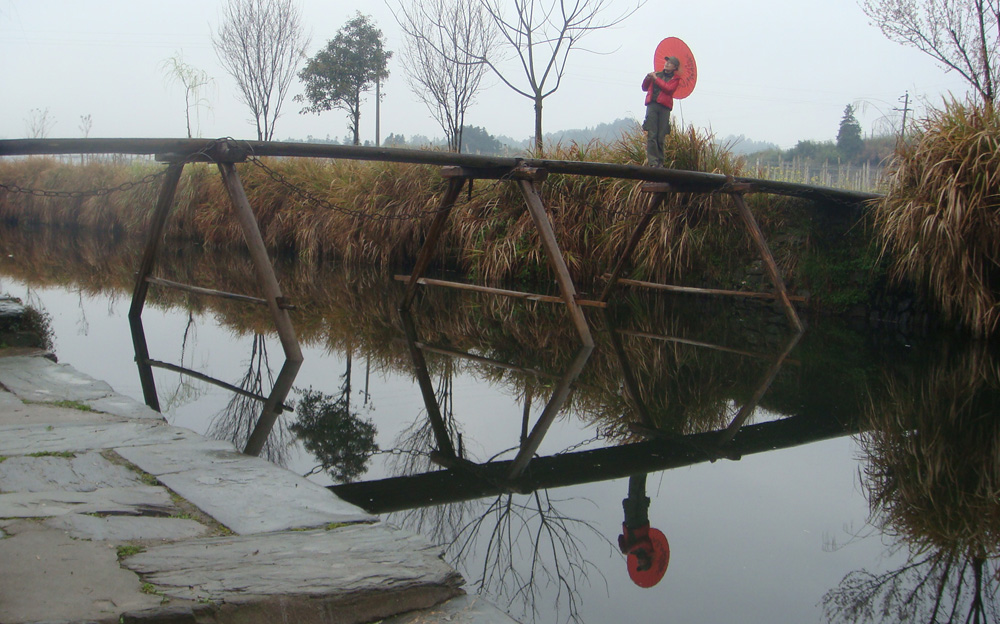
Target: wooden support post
[(142, 362), (628, 376), (623, 258), (155, 236), (551, 246), (273, 407), (747, 409), (769, 263), (455, 185), (426, 386), (261, 261), (552, 409)]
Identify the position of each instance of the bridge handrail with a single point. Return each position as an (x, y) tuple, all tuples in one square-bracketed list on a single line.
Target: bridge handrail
[(234, 150)]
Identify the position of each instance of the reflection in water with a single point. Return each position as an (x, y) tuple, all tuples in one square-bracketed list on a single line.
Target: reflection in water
[(932, 446), (337, 437), (664, 388), (646, 548), (260, 432), (237, 421)]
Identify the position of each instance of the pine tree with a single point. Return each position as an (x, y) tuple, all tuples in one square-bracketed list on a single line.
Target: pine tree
[(849, 137)]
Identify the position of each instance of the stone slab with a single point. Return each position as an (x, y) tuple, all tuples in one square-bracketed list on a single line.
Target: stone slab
[(246, 494), (139, 500), (40, 380), (48, 577), (161, 459), (462, 610), (290, 575), (84, 473), (126, 528), (25, 439)]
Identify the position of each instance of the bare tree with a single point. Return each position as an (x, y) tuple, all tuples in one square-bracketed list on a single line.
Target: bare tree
[(446, 42), (39, 123), (962, 35), (261, 43), (541, 34), (192, 79)]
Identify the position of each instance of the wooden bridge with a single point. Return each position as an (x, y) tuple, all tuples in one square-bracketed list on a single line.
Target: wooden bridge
[(527, 173)]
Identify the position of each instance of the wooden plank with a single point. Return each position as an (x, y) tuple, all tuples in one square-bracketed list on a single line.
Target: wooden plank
[(516, 294), (604, 464), (430, 243), (683, 179), (212, 380), (284, 305), (261, 261), (556, 260), (698, 343), (707, 291), (484, 360), (154, 237)]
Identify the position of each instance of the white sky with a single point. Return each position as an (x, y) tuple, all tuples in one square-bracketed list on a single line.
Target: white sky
[(773, 70)]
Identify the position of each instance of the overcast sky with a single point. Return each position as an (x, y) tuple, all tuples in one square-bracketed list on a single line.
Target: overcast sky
[(773, 70)]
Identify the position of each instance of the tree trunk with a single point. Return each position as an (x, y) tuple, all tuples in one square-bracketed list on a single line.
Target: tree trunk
[(539, 144)]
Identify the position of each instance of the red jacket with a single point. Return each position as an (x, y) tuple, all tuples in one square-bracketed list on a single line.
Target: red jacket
[(662, 90)]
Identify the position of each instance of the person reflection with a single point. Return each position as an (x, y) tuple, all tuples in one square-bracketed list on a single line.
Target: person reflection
[(646, 549)]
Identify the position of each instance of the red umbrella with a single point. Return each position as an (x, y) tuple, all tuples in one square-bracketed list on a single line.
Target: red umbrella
[(688, 72), (657, 558)]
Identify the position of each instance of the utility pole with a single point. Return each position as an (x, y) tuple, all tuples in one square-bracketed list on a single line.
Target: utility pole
[(378, 104), (905, 109)]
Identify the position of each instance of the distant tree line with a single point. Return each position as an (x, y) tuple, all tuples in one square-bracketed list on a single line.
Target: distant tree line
[(850, 147)]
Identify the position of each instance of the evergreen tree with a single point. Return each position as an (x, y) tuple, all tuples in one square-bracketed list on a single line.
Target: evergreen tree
[(350, 65), (849, 140)]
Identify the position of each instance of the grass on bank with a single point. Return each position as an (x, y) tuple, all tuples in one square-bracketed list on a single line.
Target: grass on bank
[(939, 220), (311, 211)]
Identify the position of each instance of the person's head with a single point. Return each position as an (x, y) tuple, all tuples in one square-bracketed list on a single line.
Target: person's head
[(671, 64)]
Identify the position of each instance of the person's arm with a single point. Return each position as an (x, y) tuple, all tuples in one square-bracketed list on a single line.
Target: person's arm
[(668, 86), (648, 80)]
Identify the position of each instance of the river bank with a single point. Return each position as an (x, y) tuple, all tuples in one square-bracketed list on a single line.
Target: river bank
[(109, 514)]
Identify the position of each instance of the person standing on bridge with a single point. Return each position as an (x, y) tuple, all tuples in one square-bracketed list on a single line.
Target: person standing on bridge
[(659, 87)]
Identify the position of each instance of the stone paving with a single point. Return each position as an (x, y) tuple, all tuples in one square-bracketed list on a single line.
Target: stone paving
[(110, 514)]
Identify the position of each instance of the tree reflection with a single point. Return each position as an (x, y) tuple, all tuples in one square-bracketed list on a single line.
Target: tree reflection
[(530, 547), (237, 421), (933, 482), (340, 439)]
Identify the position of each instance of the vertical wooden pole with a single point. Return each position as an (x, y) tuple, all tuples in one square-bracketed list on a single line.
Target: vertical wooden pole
[(430, 243), (272, 407), (155, 236), (626, 254), (631, 385), (426, 387), (146, 379), (769, 263), (261, 261), (548, 415), (765, 383), (556, 260)]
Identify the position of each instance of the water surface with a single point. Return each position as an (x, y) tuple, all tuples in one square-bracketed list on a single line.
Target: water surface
[(765, 517)]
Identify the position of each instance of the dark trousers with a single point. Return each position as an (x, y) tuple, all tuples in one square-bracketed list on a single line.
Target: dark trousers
[(657, 127)]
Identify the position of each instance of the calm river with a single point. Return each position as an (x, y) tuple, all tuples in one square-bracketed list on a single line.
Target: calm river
[(804, 506)]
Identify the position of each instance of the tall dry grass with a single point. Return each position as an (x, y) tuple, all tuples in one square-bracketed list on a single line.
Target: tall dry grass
[(940, 220), (379, 213), (932, 447)]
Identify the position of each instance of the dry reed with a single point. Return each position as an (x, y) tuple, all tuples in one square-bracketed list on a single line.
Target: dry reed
[(939, 221)]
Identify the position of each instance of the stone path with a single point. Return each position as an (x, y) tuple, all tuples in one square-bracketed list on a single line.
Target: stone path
[(109, 514)]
